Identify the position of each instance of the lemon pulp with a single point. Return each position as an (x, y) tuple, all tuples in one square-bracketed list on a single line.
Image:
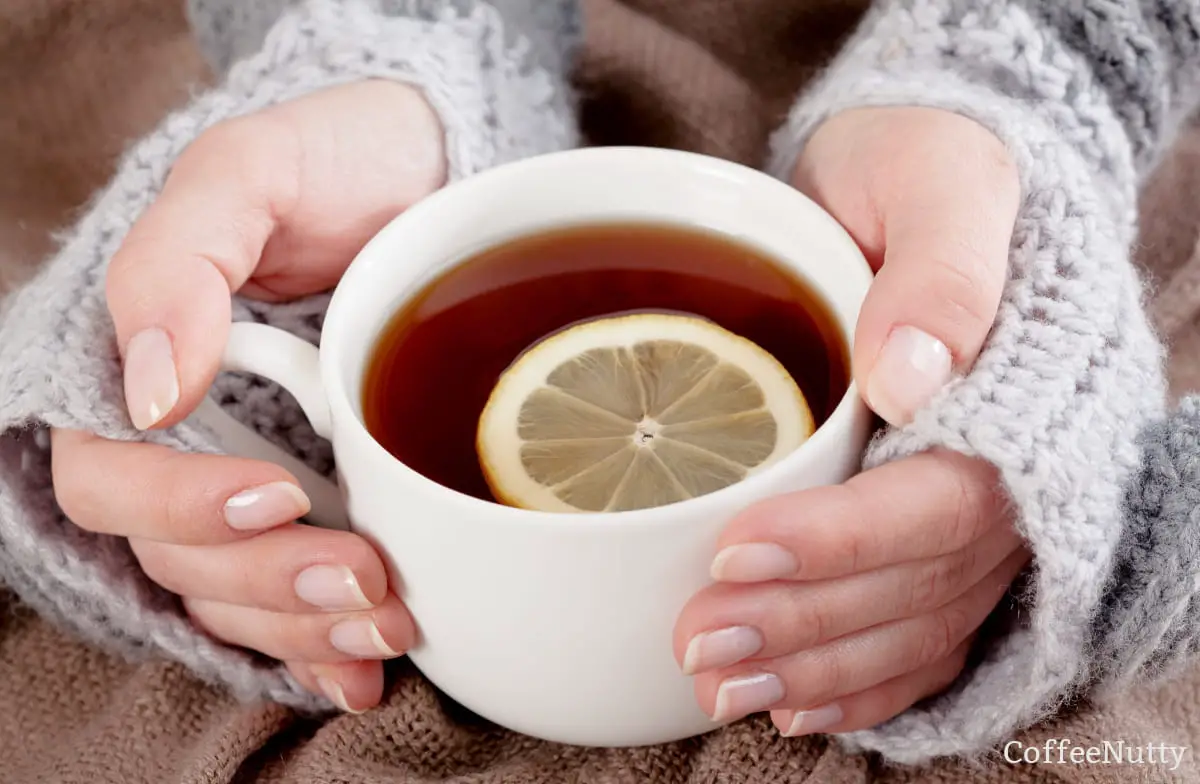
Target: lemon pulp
[(636, 411)]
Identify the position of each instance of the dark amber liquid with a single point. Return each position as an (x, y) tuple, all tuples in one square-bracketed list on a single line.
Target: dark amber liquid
[(437, 360)]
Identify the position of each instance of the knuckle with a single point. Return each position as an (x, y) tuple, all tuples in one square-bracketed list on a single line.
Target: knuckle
[(808, 622), (851, 543), (942, 632), (925, 588), (852, 552), (261, 152), (961, 297), (827, 679), (968, 520), (940, 580), (820, 623), (265, 148), (956, 571)]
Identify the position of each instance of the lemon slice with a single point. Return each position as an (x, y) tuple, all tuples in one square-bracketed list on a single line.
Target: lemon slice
[(636, 411)]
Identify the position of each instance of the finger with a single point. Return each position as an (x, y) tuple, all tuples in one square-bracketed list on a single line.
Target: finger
[(727, 623), (353, 687), (947, 230), (921, 507), (169, 285), (876, 705), (855, 663), (383, 632), (294, 568), (148, 491)]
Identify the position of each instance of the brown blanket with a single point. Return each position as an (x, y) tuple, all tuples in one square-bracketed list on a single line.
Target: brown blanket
[(80, 77)]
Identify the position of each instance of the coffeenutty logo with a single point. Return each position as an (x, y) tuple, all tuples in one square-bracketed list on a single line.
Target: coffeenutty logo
[(1062, 751)]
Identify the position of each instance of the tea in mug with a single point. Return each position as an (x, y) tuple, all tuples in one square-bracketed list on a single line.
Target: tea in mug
[(440, 357)]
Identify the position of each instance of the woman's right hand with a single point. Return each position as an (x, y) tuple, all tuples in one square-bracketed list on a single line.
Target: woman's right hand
[(273, 206)]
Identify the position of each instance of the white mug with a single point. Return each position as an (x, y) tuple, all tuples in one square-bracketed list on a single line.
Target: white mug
[(554, 625)]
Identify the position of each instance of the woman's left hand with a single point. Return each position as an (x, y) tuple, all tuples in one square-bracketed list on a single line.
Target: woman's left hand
[(840, 607)]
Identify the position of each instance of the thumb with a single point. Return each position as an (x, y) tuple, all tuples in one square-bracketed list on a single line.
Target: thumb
[(274, 204), (935, 297), (169, 285)]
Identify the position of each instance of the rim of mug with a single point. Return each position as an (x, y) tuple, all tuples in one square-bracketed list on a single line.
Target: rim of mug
[(839, 423)]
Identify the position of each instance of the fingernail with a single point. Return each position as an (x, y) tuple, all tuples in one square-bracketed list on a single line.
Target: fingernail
[(721, 648), (333, 690), (333, 588), (151, 384), (266, 506), (911, 368), (810, 721), (753, 563), (742, 695), (360, 637)]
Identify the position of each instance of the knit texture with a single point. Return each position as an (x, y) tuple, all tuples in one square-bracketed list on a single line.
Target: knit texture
[(1084, 93), (59, 365), (706, 75), (1150, 622)]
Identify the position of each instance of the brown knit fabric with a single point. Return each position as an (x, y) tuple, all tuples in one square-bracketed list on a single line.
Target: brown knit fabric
[(80, 77), (78, 80)]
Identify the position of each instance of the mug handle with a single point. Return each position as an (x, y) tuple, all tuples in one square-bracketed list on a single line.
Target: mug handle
[(294, 364)]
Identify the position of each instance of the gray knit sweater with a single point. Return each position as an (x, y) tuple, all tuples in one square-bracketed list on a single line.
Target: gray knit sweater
[(1084, 92)]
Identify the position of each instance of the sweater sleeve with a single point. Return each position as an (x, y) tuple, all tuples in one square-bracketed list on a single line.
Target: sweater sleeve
[(1085, 94), (496, 74), (1149, 623)]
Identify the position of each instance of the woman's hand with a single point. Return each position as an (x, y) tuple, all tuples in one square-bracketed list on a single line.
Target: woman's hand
[(274, 206), (840, 607)]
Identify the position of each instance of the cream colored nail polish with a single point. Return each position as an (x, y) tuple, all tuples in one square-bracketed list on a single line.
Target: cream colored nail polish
[(753, 563), (912, 367), (360, 637), (266, 506), (151, 380), (810, 721), (333, 690), (721, 648), (331, 588), (742, 695)]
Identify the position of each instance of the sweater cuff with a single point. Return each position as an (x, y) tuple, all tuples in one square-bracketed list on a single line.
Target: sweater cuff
[(495, 94), (1069, 375), (59, 364)]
